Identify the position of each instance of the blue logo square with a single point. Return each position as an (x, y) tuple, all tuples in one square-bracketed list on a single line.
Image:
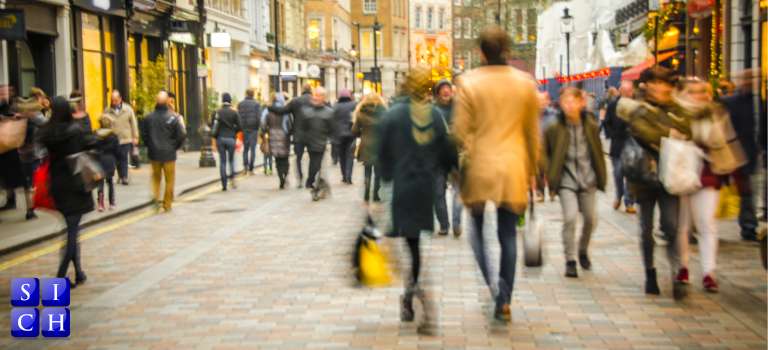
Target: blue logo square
[(54, 322), (24, 322), (55, 292), (25, 292)]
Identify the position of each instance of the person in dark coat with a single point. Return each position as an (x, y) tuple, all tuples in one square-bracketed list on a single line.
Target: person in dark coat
[(296, 108), (250, 112), (413, 148), (318, 130), (342, 115), (443, 97), (277, 128), (617, 131), (366, 117), (226, 125), (741, 108), (163, 134), (109, 150), (63, 136)]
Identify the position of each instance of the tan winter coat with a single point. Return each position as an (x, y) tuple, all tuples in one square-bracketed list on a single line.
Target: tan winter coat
[(124, 124), (496, 123)]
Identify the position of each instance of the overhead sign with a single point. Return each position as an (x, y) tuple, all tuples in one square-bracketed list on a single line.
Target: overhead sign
[(12, 25), (221, 39)]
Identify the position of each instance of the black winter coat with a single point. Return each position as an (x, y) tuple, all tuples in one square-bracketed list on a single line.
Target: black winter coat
[(163, 134), (276, 128), (615, 129), (412, 168), (229, 122), (250, 113), (108, 153), (296, 107), (342, 116), (62, 140), (318, 127)]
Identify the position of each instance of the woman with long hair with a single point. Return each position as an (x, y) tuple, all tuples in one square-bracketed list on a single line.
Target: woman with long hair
[(277, 128), (365, 118), (64, 136)]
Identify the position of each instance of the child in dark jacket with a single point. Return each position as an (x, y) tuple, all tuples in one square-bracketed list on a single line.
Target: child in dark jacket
[(107, 146)]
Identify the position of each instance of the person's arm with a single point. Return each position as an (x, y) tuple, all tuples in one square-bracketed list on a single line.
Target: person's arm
[(290, 107), (531, 119), (145, 131), (463, 118), (646, 131), (384, 158), (179, 134), (134, 126)]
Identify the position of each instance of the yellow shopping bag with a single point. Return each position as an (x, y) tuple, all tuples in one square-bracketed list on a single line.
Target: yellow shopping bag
[(728, 207), (374, 265)]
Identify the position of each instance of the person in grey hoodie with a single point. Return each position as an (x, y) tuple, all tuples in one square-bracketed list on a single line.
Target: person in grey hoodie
[(342, 115)]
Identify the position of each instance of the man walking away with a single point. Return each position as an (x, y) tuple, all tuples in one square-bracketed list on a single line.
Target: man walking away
[(163, 135), (342, 115), (126, 128), (496, 124), (226, 125), (443, 98), (618, 131), (576, 169), (318, 131), (297, 107), (250, 112)]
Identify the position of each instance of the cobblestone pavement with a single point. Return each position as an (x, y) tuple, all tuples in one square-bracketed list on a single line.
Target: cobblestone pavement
[(260, 268)]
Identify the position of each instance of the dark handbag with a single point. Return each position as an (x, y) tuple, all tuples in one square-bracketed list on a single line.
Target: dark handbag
[(216, 126), (85, 166), (638, 164)]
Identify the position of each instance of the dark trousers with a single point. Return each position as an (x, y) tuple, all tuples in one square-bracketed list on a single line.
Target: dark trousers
[(441, 208), (298, 148), (110, 188), (507, 235), (747, 211), (669, 208), (123, 153), (415, 251), (226, 147), (282, 165), (72, 249), (250, 140), (267, 163), (315, 162), (620, 184), (370, 174), (347, 158)]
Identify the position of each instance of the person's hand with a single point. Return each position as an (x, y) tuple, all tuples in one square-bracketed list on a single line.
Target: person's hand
[(135, 141), (675, 134)]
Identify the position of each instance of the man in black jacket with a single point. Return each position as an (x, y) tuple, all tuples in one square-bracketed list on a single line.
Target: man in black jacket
[(296, 108), (163, 135), (226, 125), (618, 131), (319, 129), (342, 115), (250, 112)]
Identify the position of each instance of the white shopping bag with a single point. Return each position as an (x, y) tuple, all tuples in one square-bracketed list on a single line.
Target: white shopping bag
[(680, 165)]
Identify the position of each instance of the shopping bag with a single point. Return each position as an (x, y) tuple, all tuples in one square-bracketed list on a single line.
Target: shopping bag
[(729, 203), (637, 164), (42, 198), (84, 165), (680, 166), (532, 237), (370, 260), (12, 133)]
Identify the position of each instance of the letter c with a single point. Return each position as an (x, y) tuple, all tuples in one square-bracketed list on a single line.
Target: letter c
[(21, 326)]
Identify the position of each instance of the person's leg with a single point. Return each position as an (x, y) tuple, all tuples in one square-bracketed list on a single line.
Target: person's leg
[(100, 195), (411, 283), (222, 149), (415, 251), (478, 245), (157, 168), (169, 169), (703, 205), (457, 209), (247, 150), (350, 159), (683, 230), (73, 230), (507, 234), (368, 169), (747, 216), (441, 208), (647, 206), (588, 213), (376, 185), (298, 148), (282, 169), (122, 161), (315, 161), (231, 159), (669, 212), (569, 204), (111, 189), (618, 181)]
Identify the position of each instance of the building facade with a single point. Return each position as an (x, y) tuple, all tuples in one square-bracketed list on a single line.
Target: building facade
[(329, 42), (431, 42), (229, 55), (391, 44), (260, 55)]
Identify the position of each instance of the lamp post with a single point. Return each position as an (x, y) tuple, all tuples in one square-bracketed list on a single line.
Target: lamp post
[(353, 53), (277, 47), (653, 10), (376, 28), (566, 27)]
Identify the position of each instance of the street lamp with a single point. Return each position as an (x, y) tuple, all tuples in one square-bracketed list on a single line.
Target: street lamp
[(566, 27), (653, 10), (376, 28), (353, 53)]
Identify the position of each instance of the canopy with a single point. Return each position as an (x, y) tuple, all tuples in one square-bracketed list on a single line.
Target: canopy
[(634, 72)]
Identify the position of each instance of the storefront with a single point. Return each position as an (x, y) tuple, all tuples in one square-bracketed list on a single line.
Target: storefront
[(99, 48)]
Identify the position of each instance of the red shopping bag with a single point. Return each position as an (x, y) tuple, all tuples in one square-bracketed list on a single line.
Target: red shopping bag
[(41, 181)]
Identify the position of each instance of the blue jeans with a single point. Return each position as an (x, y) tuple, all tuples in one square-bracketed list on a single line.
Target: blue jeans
[(267, 163), (620, 184), (457, 206), (441, 208), (250, 139), (507, 234), (226, 146)]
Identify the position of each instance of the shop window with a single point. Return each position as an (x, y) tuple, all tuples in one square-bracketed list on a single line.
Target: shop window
[(314, 30), (417, 17), (467, 28), (441, 19), (367, 43), (177, 75), (98, 54), (28, 70), (457, 28), (369, 6), (430, 16)]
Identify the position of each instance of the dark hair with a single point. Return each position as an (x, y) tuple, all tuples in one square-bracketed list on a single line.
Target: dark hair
[(572, 91), (61, 110), (494, 43), (171, 95), (658, 74), (249, 92), (76, 94)]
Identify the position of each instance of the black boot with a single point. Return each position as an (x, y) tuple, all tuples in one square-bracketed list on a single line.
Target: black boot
[(651, 285), (10, 203), (570, 270), (406, 305), (428, 325)]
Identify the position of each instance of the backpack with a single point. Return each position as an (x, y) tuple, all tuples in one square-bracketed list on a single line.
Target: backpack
[(638, 164)]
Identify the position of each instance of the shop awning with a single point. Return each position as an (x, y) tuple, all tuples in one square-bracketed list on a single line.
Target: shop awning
[(634, 72)]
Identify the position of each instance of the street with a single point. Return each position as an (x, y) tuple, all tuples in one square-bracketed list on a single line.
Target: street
[(260, 268)]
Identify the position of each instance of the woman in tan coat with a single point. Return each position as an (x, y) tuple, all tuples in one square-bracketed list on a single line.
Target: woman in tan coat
[(496, 124)]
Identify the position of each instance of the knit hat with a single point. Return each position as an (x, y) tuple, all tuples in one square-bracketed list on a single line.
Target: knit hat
[(226, 98), (441, 83)]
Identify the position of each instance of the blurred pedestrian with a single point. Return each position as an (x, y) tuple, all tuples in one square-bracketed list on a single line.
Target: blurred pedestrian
[(31, 153), (108, 146), (741, 109), (366, 117), (318, 131), (549, 116), (277, 128), (250, 113), (126, 128), (413, 148), (496, 125), (163, 135), (80, 114), (63, 137), (226, 125), (649, 122), (617, 131), (342, 115), (17, 165), (297, 107), (576, 170), (443, 97)]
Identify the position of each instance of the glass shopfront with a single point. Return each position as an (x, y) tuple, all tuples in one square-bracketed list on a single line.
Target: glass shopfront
[(98, 57)]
